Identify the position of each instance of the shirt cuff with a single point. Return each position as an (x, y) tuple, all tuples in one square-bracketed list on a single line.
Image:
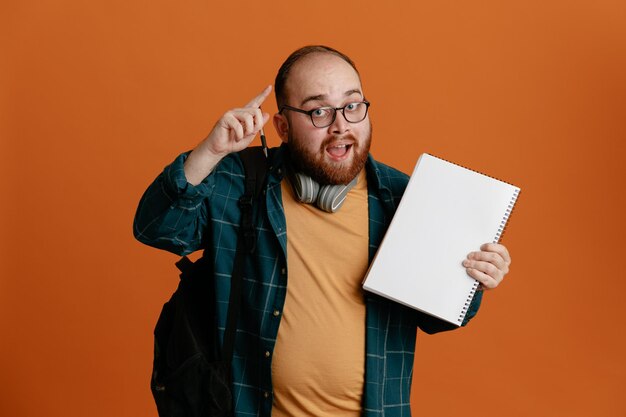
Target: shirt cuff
[(176, 185)]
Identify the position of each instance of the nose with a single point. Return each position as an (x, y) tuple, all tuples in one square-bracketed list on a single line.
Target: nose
[(340, 124)]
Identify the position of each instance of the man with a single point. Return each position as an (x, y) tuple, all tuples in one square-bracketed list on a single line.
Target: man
[(310, 342)]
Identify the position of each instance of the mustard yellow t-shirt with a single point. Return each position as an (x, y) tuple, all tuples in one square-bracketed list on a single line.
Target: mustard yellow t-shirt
[(318, 363)]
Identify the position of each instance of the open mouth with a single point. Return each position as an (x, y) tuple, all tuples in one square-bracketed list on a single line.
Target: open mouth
[(339, 151)]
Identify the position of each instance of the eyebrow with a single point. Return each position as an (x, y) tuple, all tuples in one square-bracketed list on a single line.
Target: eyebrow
[(321, 97)]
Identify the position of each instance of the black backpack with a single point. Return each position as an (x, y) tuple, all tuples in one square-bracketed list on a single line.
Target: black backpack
[(191, 376)]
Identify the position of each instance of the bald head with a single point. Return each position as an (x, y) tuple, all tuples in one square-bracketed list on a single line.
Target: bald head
[(281, 84)]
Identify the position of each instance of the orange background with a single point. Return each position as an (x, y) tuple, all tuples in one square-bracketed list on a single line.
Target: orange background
[(96, 97)]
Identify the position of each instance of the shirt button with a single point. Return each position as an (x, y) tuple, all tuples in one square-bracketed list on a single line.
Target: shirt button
[(266, 394), (276, 313), (282, 271), (267, 353)]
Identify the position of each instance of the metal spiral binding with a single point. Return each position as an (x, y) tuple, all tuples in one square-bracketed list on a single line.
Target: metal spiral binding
[(496, 239), (467, 303), (505, 219)]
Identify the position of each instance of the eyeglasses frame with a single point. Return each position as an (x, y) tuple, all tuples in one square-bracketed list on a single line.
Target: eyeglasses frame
[(335, 109)]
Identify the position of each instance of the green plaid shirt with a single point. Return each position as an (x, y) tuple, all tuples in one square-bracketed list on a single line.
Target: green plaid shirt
[(181, 218)]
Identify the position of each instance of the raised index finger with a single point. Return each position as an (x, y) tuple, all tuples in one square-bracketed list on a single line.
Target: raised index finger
[(258, 100)]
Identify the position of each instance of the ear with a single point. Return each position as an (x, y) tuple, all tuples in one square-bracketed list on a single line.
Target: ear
[(281, 124)]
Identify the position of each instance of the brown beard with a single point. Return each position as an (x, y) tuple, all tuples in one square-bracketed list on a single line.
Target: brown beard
[(322, 171)]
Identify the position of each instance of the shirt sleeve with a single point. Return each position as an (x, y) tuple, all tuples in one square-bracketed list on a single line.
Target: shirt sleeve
[(431, 324), (172, 213)]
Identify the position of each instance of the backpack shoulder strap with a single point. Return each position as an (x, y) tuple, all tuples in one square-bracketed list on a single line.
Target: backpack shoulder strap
[(255, 167)]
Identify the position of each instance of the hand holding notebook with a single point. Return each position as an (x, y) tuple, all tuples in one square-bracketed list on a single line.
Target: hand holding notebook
[(489, 265), (447, 211)]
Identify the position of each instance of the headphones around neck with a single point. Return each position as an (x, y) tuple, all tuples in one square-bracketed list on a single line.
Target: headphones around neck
[(325, 197)]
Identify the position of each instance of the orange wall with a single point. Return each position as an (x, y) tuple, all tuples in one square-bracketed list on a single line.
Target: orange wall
[(96, 97)]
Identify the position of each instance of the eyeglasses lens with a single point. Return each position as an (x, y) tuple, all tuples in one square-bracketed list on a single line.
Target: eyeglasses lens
[(325, 116)]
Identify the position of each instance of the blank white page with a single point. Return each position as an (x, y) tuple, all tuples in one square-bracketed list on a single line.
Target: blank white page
[(446, 212)]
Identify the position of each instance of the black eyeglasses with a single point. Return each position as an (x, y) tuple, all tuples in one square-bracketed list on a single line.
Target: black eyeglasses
[(325, 116)]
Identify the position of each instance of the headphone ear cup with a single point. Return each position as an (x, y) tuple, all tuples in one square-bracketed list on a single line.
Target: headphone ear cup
[(331, 197), (305, 188)]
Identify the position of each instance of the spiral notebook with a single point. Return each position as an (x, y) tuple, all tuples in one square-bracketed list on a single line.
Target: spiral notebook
[(446, 212)]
